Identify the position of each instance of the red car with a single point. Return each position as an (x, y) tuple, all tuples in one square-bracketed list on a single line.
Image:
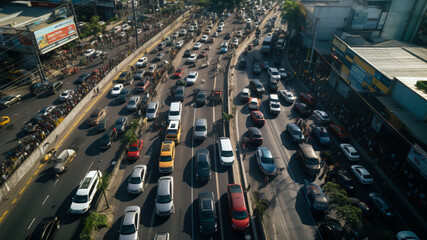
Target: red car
[(179, 72), (308, 99), (202, 54), (211, 40), (258, 118), (338, 131), (142, 85), (302, 108), (238, 212), (135, 149)]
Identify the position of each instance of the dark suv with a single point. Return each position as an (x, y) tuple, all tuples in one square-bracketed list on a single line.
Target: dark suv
[(257, 87), (38, 88), (52, 88)]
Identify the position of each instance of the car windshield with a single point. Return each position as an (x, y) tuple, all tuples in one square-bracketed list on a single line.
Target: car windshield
[(131, 102), (64, 94), (164, 199), (123, 74), (275, 105), (171, 132), (203, 165), (150, 110), (267, 160), (134, 180), (240, 215), (274, 73), (227, 153), (207, 217), (133, 149), (200, 128), (127, 229), (80, 198), (116, 88), (165, 158), (312, 161), (174, 113), (324, 134)]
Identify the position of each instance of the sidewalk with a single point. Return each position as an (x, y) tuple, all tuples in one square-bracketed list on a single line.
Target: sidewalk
[(407, 210)]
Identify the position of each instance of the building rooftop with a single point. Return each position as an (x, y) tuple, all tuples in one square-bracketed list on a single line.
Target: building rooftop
[(396, 62), (19, 14)]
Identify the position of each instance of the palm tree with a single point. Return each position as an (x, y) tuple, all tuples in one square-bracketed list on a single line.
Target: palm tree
[(295, 14)]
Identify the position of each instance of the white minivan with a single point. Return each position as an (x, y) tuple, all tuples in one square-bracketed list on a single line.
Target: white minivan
[(175, 111), (225, 151), (85, 193)]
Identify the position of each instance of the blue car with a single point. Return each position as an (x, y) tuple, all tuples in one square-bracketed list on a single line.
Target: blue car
[(322, 135), (265, 160), (224, 47), (315, 197)]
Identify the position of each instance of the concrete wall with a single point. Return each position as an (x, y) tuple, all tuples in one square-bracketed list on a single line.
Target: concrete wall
[(330, 18), (51, 140), (410, 100)]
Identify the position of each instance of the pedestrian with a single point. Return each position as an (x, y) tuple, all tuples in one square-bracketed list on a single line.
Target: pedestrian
[(266, 179), (114, 133)]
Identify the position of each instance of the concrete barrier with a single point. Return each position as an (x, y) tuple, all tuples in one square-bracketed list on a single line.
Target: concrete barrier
[(51, 140)]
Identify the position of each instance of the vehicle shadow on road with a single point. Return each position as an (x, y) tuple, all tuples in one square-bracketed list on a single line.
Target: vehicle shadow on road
[(295, 170), (93, 149), (46, 175), (286, 142), (187, 218), (84, 126), (254, 170), (112, 232), (121, 194), (152, 163), (188, 176), (62, 213), (303, 211)]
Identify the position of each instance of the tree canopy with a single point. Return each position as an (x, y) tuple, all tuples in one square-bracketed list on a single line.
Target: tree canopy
[(294, 14), (219, 5)]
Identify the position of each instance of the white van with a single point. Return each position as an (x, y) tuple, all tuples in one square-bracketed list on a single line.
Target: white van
[(175, 111), (84, 195)]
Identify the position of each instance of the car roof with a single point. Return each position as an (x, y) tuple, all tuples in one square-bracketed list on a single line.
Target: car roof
[(237, 197), (265, 152), (137, 170), (255, 130), (225, 143), (152, 104), (163, 186), (294, 127), (129, 217), (201, 122)]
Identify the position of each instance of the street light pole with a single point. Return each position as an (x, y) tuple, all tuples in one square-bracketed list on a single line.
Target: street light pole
[(134, 25), (103, 186)]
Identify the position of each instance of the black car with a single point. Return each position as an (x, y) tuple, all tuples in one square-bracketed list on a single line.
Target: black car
[(102, 125), (302, 108), (124, 95), (207, 216), (187, 53), (53, 87), (361, 205), (45, 229), (83, 78), (120, 124), (180, 93), (257, 87), (331, 229), (256, 69), (201, 97), (343, 178), (38, 89), (107, 139), (203, 166), (378, 202)]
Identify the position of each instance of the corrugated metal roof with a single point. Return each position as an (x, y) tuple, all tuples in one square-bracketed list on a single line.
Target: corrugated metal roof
[(20, 15)]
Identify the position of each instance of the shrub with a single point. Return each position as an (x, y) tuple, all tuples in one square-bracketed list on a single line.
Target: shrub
[(92, 222)]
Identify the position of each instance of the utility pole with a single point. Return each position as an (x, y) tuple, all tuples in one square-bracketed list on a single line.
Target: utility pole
[(36, 53), (94, 7), (313, 45), (75, 16), (134, 25)]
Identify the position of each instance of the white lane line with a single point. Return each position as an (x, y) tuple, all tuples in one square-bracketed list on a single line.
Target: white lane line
[(31, 224), (55, 183), (45, 200), (192, 175)]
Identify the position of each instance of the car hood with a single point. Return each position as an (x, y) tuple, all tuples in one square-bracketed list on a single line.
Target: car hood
[(133, 154), (200, 133), (59, 167), (313, 167), (133, 236), (150, 115), (164, 207), (227, 159), (240, 223), (208, 227), (325, 139), (203, 173), (115, 92), (134, 187), (79, 206)]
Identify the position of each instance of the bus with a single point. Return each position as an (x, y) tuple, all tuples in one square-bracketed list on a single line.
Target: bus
[(266, 44)]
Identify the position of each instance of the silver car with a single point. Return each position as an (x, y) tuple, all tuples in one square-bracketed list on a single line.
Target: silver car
[(133, 103), (200, 128), (130, 223), (152, 108), (164, 196), (137, 179)]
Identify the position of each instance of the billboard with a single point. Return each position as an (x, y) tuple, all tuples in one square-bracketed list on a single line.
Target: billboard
[(418, 158), (55, 35)]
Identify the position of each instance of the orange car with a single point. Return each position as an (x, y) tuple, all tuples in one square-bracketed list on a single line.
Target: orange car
[(339, 131)]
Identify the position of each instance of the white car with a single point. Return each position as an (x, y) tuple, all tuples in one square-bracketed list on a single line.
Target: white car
[(225, 151), (133, 103), (192, 58), (215, 34), (130, 223), (175, 35), (89, 52), (151, 112), (321, 116), (139, 31), (142, 62), (253, 103), (179, 44), (221, 24), (204, 38), (192, 78), (235, 41), (274, 104), (65, 95), (137, 179), (239, 34), (362, 174), (197, 46), (350, 152), (191, 29), (182, 32), (273, 73), (164, 198), (116, 90), (288, 96), (125, 27), (122, 34), (282, 73)]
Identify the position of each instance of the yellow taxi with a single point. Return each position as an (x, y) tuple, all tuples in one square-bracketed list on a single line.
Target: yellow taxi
[(173, 132), (167, 156), (4, 120)]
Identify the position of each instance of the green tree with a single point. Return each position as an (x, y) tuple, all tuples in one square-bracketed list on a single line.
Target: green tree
[(227, 117), (294, 14), (340, 202)]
